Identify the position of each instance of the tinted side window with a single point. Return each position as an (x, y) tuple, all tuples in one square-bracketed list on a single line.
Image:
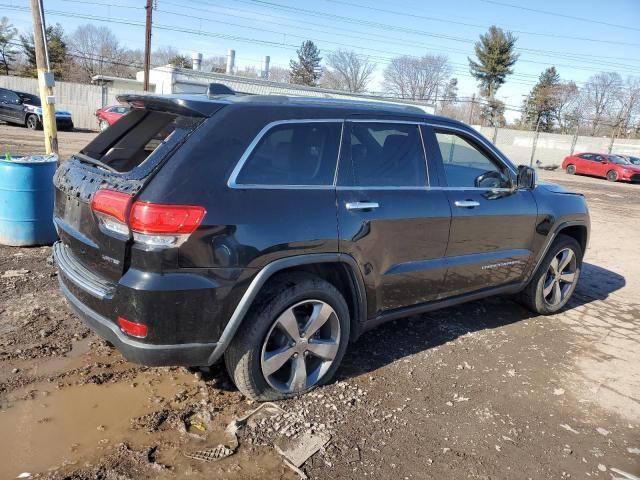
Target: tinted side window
[(294, 154), (384, 155), (587, 156), (7, 96), (465, 165)]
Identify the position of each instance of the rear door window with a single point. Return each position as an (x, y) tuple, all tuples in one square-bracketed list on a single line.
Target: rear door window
[(294, 154), (384, 155)]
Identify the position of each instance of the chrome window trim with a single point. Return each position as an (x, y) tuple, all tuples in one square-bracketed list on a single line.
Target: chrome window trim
[(232, 182), (498, 156), (418, 124)]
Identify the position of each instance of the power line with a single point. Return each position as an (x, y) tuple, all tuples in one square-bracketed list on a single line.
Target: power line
[(555, 14), (219, 35), (456, 22), (600, 63)]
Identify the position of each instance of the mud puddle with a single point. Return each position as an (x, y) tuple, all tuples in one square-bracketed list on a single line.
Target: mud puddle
[(61, 427)]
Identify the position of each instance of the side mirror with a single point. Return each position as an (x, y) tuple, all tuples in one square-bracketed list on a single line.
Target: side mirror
[(604, 162), (526, 177)]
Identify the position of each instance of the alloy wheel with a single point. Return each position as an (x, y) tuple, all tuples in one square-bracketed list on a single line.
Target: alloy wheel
[(301, 346), (560, 277), (612, 176), (32, 122)]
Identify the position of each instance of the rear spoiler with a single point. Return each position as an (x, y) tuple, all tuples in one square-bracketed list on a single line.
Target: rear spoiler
[(189, 105)]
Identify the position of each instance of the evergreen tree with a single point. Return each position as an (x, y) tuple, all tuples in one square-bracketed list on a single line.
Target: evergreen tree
[(57, 47), (8, 50), (495, 57), (540, 107), (307, 70), (493, 113), (181, 61)]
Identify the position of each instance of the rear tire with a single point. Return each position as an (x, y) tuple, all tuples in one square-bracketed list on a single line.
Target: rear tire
[(612, 176), (32, 122), (571, 169), (262, 337), (549, 290)]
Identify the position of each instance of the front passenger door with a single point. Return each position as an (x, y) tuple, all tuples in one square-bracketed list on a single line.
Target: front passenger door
[(492, 224)]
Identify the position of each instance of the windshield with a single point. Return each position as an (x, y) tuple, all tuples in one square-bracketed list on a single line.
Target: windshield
[(634, 160), (30, 99), (618, 160)]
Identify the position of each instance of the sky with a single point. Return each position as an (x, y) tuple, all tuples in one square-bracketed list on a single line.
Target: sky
[(579, 37)]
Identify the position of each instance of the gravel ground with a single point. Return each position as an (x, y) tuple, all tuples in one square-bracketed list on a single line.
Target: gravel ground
[(22, 141), (485, 390)]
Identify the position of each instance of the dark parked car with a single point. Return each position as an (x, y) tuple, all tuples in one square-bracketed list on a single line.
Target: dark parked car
[(25, 109), (273, 231)]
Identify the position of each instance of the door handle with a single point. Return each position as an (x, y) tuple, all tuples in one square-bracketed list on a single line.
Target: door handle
[(467, 203), (362, 205)]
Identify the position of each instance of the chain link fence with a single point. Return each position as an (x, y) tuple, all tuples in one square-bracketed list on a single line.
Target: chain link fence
[(525, 147)]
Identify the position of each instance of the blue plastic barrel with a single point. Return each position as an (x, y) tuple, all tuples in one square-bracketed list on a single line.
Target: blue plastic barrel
[(26, 200)]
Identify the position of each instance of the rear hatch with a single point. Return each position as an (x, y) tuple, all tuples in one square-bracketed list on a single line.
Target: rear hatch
[(122, 159)]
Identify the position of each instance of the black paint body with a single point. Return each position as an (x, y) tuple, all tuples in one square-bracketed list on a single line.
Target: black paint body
[(416, 252)]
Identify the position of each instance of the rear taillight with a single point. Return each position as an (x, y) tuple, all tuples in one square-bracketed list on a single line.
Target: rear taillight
[(132, 328), (111, 208), (151, 223), (164, 225)]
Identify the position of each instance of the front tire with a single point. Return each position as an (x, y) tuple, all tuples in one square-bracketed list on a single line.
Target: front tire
[(612, 176), (556, 278), (571, 169), (292, 340), (103, 125)]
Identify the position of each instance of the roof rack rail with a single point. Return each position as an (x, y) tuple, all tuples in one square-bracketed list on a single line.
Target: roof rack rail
[(218, 89)]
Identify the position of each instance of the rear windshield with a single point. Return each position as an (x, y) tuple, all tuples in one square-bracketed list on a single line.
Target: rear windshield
[(139, 136)]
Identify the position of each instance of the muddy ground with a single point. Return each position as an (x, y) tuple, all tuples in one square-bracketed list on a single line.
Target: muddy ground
[(482, 391)]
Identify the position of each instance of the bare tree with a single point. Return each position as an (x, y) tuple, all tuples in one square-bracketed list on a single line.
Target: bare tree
[(417, 78), (216, 64), (96, 51), (629, 105), (162, 55), (350, 71), (279, 74), (600, 94), (249, 71), (568, 108)]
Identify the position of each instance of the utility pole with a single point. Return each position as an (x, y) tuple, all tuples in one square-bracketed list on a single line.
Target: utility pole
[(147, 45), (473, 102), (535, 141), (45, 78)]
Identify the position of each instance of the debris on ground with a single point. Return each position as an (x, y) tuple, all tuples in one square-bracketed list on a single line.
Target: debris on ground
[(211, 454), (298, 451), (14, 273)]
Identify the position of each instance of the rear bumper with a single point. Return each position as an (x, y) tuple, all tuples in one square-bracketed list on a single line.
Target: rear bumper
[(192, 354), (181, 322)]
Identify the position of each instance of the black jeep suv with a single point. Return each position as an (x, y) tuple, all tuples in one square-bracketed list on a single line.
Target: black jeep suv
[(273, 230)]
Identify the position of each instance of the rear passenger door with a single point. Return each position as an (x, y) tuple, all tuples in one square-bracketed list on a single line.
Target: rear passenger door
[(492, 224), (389, 220)]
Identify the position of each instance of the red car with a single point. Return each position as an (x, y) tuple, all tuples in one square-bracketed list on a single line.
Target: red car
[(109, 115), (611, 167)]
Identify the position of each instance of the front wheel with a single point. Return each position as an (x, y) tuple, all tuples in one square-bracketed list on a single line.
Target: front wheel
[(103, 125), (612, 176), (571, 169), (292, 340), (556, 278)]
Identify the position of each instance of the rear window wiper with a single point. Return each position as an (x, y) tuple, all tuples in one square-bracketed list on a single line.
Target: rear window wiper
[(87, 159)]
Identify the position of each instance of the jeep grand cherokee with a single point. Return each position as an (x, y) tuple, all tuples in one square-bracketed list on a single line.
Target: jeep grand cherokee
[(272, 231)]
